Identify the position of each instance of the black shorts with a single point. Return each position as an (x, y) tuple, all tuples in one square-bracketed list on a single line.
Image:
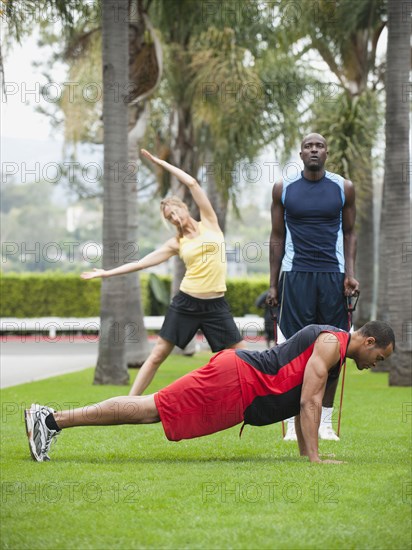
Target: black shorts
[(306, 298), (186, 315)]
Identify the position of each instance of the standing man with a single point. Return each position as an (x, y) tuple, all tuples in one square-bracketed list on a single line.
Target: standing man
[(313, 242)]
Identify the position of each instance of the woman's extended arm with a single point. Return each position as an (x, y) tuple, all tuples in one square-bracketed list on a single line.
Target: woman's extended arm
[(169, 249)]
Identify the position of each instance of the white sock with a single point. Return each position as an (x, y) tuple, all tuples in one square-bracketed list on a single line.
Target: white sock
[(290, 424), (326, 418)]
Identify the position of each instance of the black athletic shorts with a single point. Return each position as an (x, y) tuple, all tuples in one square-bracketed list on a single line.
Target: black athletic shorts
[(186, 315), (307, 298)]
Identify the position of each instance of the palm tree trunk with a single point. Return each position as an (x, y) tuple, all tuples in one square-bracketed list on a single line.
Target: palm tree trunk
[(218, 199), (111, 365), (382, 281), (396, 288), (185, 157), (145, 72), (365, 257)]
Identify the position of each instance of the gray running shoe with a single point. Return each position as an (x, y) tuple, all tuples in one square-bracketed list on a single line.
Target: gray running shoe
[(39, 435)]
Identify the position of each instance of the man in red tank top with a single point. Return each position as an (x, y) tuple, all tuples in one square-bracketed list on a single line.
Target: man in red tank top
[(256, 388)]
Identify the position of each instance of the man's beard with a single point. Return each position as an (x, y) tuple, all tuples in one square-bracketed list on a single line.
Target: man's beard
[(314, 167)]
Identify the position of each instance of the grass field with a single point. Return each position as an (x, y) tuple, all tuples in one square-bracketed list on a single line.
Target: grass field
[(128, 487)]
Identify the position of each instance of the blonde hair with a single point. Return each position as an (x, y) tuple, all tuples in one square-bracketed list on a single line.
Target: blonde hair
[(174, 200)]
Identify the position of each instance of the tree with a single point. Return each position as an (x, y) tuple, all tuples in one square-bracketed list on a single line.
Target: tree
[(395, 275), (351, 124), (82, 124), (111, 366), (345, 34), (145, 71), (221, 76), (25, 206)]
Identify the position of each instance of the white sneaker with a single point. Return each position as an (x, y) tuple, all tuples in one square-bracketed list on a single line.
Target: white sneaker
[(39, 435), (290, 433), (327, 432)]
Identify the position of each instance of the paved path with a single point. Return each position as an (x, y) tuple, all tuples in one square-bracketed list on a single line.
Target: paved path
[(23, 362), (37, 358)]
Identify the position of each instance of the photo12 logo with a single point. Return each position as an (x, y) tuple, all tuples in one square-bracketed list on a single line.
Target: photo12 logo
[(68, 251), (53, 492), (269, 491)]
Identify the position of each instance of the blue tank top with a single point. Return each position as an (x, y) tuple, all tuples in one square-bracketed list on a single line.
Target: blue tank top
[(313, 222)]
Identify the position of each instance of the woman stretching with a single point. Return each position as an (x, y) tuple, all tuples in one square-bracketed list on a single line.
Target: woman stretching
[(200, 303)]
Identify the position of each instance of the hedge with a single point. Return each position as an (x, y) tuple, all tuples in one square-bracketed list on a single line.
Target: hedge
[(66, 295)]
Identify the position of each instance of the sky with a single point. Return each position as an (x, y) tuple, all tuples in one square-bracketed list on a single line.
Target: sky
[(23, 81), (31, 149), (28, 146)]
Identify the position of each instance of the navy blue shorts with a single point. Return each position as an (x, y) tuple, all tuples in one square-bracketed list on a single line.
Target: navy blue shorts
[(186, 315), (307, 298)]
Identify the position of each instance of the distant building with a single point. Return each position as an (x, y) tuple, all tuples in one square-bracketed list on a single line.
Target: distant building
[(235, 267), (78, 216)]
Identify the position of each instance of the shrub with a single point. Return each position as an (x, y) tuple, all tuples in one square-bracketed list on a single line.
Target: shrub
[(66, 295), (242, 293)]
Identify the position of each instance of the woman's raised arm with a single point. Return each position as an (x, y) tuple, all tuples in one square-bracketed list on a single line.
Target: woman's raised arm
[(199, 196)]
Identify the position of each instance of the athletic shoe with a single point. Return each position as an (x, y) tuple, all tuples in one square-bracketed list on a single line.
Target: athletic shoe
[(290, 433), (327, 432), (39, 435)]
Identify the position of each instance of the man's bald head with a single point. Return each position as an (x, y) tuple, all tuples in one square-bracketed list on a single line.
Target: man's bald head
[(313, 137), (313, 152)]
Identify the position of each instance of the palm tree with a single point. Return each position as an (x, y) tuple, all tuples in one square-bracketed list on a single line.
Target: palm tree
[(82, 123), (346, 34), (111, 365), (145, 71), (178, 20), (395, 275), (225, 126), (351, 124)]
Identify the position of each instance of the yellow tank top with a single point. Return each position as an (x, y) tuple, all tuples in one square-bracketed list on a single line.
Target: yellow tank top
[(205, 259)]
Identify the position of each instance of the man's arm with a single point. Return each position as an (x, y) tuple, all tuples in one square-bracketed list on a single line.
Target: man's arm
[(351, 285), (277, 242), (324, 356), (299, 435)]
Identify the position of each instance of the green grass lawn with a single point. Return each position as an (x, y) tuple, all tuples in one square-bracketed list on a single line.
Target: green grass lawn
[(128, 487)]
